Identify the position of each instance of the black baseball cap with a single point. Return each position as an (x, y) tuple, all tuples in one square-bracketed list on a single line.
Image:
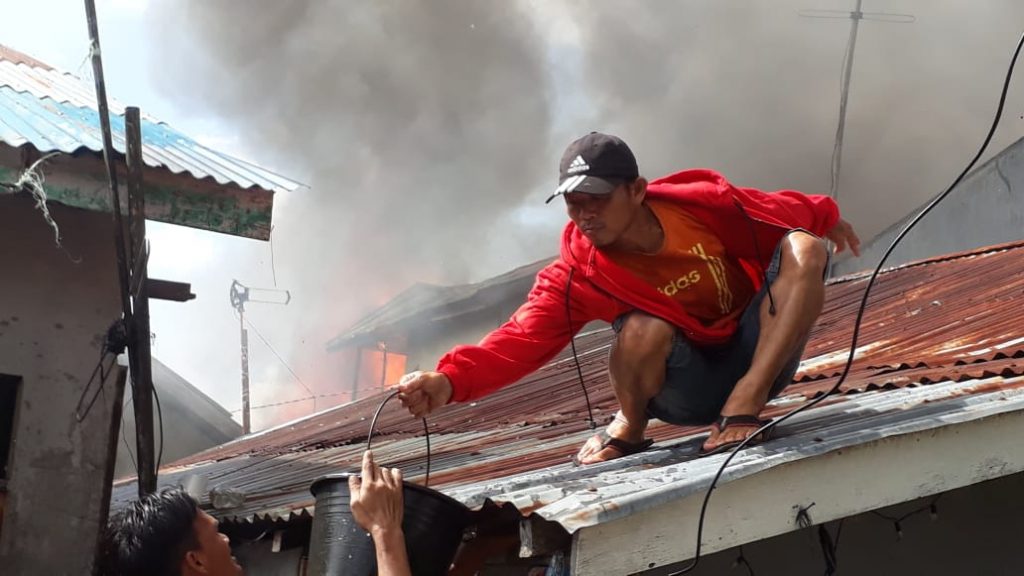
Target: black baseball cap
[(595, 164)]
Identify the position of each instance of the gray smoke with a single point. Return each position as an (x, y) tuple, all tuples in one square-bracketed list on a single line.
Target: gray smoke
[(752, 89), (424, 127)]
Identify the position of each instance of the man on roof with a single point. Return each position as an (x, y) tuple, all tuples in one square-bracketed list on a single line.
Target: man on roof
[(711, 289)]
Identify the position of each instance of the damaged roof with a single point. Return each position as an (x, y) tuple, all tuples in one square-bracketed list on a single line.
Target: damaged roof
[(941, 344)]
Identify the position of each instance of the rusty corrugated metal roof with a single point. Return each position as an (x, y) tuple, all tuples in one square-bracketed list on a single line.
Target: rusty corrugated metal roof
[(942, 328)]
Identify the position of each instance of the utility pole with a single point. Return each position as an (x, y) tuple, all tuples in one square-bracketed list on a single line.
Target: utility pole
[(844, 87), (241, 294)]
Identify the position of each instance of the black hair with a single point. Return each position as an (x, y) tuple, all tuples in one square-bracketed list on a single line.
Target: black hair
[(150, 536)]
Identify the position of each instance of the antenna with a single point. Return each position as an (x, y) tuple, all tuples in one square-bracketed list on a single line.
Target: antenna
[(844, 86), (240, 294)]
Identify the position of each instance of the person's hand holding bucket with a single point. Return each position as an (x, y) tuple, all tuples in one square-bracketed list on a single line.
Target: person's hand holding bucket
[(377, 505), (377, 497)]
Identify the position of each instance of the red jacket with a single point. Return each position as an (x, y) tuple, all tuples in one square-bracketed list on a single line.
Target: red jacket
[(750, 224)]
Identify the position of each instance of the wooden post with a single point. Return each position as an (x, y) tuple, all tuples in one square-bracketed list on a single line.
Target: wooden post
[(246, 417), (384, 366), (120, 376), (355, 376), (138, 333)]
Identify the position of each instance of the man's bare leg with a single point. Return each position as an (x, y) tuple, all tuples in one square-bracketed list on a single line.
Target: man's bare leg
[(799, 294), (637, 370)]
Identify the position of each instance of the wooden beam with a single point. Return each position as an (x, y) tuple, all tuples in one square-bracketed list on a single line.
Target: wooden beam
[(116, 406), (843, 483), (167, 290), (79, 180), (139, 329)]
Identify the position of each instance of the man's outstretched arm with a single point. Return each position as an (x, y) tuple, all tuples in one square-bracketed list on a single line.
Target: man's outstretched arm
[(376, 501), (537, 332)]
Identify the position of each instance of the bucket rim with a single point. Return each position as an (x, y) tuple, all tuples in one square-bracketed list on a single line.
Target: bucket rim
[(344, 476)]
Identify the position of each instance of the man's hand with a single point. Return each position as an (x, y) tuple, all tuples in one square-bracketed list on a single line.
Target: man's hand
[(423, 392), (842, 235), (376, 503), (376, 498)]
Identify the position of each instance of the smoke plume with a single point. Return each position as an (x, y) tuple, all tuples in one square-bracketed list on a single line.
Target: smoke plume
[(423, 128)]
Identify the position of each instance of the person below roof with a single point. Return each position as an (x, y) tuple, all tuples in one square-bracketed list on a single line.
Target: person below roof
[(166, 534), (711, 289)]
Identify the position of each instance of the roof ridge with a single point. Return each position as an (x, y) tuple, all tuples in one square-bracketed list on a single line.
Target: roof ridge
[(18, 57), (938, 258)]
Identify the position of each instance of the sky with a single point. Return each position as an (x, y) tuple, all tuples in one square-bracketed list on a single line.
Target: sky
[(429, 133)]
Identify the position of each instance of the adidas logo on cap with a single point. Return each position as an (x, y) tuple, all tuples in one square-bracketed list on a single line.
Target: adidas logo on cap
[(578, 165)]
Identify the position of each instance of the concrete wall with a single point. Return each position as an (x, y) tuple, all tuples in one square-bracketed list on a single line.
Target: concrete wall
[(987, 208), (977, 532), (55, 307), (192, 421)]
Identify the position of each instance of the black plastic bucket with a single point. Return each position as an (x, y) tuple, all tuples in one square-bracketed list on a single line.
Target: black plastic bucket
[(433, 524)]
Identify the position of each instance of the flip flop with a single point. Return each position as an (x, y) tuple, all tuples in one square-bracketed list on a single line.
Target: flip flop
[(745, 420), (625, 448)]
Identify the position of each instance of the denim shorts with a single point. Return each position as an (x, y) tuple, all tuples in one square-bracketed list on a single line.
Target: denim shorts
[(699, 379)]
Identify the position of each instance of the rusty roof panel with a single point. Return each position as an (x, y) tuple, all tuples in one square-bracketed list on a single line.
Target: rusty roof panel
[(935, 330)]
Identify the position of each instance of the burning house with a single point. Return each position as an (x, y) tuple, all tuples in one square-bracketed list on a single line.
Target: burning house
[(60, 295), (415, 327)]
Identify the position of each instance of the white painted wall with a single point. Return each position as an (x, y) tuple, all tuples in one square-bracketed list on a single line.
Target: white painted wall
[(55, 307), (977, 533)]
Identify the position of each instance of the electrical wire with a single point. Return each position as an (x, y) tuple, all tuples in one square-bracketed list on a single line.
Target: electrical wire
[(860, 311), (830, 547), (124, 439), (285, 364), (374, 388), (575, 357), (160, 415), (897, 522), (741, 560)]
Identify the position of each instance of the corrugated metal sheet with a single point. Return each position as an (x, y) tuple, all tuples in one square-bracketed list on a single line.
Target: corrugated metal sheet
[(936, 330), (55, 111)]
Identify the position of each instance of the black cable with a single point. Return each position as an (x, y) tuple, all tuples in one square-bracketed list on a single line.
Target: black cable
[(160, 415), (860, 312), (124, 439), (741, 560), (830, 548), (426, 433), (760, 260), (575, 357), (897, 523)]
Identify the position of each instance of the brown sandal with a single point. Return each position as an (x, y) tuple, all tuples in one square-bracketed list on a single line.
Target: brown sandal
[(744, 420), (624, 447)]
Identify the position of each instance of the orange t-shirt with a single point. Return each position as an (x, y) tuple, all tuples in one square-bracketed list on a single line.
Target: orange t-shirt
[(692, 267)]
